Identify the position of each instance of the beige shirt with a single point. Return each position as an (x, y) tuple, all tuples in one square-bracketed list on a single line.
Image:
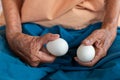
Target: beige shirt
[(74, 14)]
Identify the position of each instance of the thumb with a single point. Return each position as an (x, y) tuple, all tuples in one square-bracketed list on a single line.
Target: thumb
[(90, 40), (48, 37)]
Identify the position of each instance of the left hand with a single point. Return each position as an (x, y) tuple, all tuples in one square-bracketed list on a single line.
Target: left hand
[(101, 39)]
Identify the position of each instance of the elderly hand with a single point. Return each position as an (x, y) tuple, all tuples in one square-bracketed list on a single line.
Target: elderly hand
[(31, 49), (101, 39)]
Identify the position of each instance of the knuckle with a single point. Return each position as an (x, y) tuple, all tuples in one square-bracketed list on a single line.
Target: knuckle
[(34, 64), (86, 41), (37, 40), (48, 35), (97, 31), (33, 59)]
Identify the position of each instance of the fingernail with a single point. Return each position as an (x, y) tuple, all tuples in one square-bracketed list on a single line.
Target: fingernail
[(56, 35), (87, 42)]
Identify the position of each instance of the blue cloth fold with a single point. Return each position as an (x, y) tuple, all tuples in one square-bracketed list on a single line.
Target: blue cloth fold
[(64, 67)]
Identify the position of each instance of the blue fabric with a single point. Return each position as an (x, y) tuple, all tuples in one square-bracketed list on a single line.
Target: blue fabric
[(63, 68)]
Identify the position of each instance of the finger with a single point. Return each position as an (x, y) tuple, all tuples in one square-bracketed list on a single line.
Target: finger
[(89, 64), (98, 44), (44, 57), (90, 40), (97, 57), (44, 50), (49, 37), (34, 64), (28, 60)]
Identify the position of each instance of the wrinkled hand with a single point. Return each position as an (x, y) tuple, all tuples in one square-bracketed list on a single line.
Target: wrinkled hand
[(30, 48), (101, 40)]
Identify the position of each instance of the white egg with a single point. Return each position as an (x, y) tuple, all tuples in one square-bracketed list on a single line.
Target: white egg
[(85, 53), (58, 47)]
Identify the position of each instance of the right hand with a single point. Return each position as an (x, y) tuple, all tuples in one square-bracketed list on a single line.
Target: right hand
[(30, 48)]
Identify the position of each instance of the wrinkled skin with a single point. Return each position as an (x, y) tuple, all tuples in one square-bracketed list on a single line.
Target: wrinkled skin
[(101, 39), (35, 53), (31, 49)]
